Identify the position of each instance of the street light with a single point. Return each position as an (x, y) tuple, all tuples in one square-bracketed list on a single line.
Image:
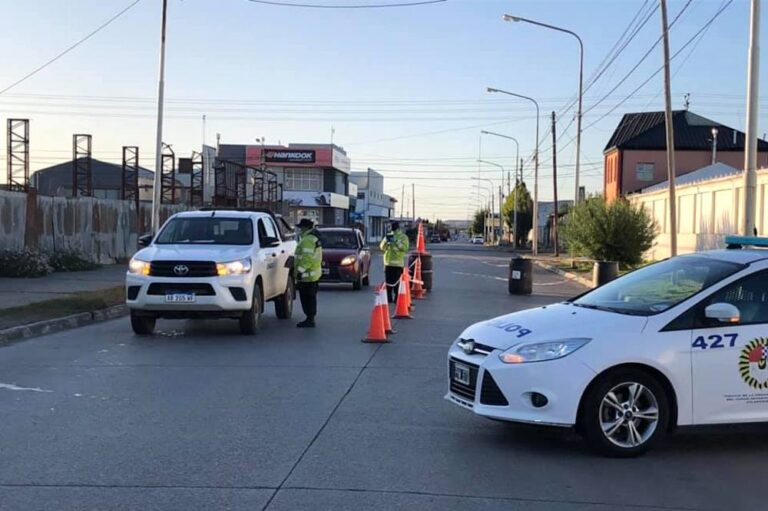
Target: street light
[(517, 159), (501, 197), (482, 197), (156, 185), (516, 19), (535, 171), (493, 223)]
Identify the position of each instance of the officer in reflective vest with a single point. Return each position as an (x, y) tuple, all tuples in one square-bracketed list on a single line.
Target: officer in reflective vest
[(307, 270), (395, 246)]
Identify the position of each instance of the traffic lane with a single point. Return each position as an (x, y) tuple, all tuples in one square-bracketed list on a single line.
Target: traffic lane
[(46, 498), (340, 500), (163, 426), (409, 440)]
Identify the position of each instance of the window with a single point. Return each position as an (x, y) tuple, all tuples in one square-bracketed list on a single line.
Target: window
[(207, 231), (644, 171), (266, 230), (749, 295), (303, 179), (657, 287)]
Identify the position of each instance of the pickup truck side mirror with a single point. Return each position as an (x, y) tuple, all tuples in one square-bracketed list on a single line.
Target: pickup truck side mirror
[(723, 313), (268, 242), (145, 240)]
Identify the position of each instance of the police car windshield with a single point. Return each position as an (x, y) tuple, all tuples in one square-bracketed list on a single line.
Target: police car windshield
[(657, 287), (207, 231)]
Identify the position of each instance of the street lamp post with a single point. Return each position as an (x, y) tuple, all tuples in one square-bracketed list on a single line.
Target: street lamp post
[(478, 189), (493, 222), (509, 17), (535, 247), (501, 196), (156, 185), (517, 158)]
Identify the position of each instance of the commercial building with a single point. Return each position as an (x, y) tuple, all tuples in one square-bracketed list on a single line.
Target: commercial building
[(314, 177), (636, 155), (374, 208), (106, 179)]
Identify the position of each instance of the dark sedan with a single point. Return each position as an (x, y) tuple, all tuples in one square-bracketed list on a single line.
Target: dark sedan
[(346, 257)]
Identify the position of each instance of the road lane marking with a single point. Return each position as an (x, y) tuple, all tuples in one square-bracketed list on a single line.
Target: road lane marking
[(10, 386), (556, 283)]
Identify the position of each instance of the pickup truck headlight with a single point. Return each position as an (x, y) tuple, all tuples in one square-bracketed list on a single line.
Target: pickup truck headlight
[(350, 259), (239, 267), (541, 351), (138, 267)]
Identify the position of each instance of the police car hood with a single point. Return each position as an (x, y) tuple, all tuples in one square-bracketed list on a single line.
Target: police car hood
[(551, 323)]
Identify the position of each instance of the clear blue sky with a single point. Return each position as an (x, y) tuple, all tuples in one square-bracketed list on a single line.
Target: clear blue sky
[(404, 88)]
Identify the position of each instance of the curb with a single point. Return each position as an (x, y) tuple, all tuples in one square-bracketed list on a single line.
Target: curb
[(50, 326), (568, 275)]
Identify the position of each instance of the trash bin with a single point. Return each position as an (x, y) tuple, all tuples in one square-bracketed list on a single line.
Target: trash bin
[(604, 271), (520, 276), (426, 267)]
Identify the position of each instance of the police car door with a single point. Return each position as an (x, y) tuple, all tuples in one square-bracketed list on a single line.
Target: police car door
[(729, 354)]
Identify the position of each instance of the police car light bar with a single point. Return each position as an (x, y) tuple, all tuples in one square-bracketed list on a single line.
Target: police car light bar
[(741, 241)]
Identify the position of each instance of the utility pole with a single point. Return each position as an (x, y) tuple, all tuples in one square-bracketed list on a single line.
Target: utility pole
[(750, 140), (402, 202), (156, 185), (554, 185), (714, 146), (670, 135), (413, 199)]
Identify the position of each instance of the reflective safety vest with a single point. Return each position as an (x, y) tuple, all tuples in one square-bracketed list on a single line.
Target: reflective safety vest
[(394, 252), (309, 258)]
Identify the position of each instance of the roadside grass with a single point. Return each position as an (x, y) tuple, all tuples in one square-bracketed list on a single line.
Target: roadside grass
[(82, 301)]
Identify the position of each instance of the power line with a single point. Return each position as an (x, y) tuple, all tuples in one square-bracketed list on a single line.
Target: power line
[(342, 6), (69, 49)]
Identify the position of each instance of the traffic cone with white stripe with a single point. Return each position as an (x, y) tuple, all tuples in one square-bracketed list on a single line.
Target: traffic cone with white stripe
[(401, 310), (385, 309), (421, 245), (418, 288), (376, 331), (406, 277)]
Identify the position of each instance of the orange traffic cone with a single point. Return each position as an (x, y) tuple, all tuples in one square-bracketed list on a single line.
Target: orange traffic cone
[(421, 245), (418, 288), (385, 309), (401, 310), (376, 332), (406, 277)]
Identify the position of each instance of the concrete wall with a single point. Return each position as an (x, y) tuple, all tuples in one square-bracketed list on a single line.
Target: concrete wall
[(707, 211), (106, 230)]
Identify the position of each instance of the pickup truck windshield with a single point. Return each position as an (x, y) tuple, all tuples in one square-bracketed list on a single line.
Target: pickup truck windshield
[(207, 231), (657, 287)]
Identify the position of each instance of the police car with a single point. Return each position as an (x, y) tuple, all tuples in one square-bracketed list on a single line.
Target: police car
[(680, 342)]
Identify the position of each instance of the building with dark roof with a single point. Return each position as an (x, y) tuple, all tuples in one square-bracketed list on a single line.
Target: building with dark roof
[(636, 154)]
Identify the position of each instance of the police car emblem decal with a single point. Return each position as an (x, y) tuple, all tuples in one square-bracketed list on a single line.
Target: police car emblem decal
[(753, 363)]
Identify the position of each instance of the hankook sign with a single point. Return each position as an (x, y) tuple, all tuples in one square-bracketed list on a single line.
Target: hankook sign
[(289, 156)]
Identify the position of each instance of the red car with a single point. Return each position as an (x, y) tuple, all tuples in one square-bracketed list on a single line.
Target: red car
[(346, 257)]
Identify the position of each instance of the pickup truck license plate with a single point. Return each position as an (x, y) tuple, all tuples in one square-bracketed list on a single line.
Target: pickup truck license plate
[(180, 298), (461, 373)]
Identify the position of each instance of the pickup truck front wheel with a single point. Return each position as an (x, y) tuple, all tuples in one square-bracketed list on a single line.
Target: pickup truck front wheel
[(284, 304), (251, 319), (142, 325)]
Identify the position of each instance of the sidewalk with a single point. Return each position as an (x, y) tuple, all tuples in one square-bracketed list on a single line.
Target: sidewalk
[(19, 292)]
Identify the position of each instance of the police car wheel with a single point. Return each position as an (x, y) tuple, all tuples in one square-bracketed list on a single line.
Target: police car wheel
[(250, 321), (624, 413)]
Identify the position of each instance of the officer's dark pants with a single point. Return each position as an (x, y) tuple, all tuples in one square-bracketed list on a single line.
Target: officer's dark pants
[(392, 275), (308, 298)]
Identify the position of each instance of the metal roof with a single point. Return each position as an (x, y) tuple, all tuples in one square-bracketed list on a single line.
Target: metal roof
[(707, 173), (647, 131)]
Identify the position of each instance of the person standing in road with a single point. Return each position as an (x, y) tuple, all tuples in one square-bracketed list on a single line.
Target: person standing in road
[(395, 246), (308, 269)]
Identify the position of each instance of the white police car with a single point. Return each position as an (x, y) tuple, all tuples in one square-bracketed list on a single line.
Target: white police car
[(680, 342)]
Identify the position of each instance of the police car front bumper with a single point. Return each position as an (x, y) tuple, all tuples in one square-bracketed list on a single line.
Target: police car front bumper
[(546, 393)]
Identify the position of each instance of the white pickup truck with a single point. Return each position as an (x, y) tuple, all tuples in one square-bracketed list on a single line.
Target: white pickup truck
[(215, 263)]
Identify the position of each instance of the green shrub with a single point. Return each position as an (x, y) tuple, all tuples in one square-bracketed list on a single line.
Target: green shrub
[(23, 263), (71, 260), (617, 231)]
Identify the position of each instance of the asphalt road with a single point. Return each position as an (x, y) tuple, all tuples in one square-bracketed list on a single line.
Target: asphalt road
[(199, 417)]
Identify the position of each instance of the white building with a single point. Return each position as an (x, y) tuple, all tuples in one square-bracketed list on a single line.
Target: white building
[(374, 208)]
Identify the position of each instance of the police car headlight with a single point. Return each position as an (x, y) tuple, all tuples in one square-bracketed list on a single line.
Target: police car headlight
[(238, 267), (350, 259), (138, 267), (542, 351)]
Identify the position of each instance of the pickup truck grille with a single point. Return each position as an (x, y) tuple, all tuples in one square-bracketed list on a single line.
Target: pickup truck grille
[(195, 269)]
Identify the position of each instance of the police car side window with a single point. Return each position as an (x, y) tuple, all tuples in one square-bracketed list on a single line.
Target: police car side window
[(749, 295)]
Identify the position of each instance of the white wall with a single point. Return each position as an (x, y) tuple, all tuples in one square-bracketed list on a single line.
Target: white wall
[(707, 211)]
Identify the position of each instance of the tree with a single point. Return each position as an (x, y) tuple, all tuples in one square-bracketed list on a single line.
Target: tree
[(616, 231), (519, 199), (478, 221)]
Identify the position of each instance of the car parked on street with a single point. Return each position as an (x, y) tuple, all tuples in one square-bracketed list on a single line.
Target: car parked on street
[(346, 257), (213, 264), (476, 240), (677, 343)]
